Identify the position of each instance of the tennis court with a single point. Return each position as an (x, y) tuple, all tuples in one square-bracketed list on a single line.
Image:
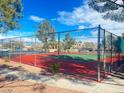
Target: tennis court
[(78, 65), (69, 64), (89, 53)]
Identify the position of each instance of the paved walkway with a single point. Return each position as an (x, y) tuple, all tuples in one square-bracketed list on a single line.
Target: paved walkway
[(110, 85)]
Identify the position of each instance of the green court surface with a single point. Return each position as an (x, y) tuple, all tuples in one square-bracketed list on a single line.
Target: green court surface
[(82, 57), (79, 57)]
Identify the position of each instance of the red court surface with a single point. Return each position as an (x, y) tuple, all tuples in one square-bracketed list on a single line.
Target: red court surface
[(113, 59), (87, 70)]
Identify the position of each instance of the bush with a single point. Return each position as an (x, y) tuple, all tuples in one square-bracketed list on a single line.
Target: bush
[(55, 68), (6, 59)]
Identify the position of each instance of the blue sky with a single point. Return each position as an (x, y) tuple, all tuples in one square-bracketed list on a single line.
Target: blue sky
[(64, 15), (36, 11)]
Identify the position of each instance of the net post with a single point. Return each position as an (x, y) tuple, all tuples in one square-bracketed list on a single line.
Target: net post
[(98, 55)]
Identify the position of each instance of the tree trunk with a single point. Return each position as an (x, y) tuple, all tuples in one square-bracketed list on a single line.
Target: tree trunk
[(46, 45)]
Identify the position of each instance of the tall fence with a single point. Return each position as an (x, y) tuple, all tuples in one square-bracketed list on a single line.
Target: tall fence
[(93, 50)]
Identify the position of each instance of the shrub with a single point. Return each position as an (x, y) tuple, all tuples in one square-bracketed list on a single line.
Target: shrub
[(6, 59), (55, 68)]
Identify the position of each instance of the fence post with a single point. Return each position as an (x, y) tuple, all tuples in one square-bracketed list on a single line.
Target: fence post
[(58, 43), (110, 67), (104, 66), (117, 53), (119, 50), (20, 50), (98, 55), (9, 54), (2, 48), (35, 51)]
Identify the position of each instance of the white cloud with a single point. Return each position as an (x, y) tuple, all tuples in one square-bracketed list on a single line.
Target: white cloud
[(6, 36), (84, 14), (119, 2), (36, 18), (81, 27), (94, 33), (86, 39), (28, 39), (93, 40)]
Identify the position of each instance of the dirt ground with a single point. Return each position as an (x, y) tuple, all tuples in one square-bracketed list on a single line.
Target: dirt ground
[(28, 87), (51, 85), (19, 86)]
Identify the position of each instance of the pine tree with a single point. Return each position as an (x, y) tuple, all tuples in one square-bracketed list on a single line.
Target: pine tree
[(10, 13), (110, 9), (46, 34), (68, 41)]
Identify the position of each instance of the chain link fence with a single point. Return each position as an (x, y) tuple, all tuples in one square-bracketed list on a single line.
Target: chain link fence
[(92, 51)]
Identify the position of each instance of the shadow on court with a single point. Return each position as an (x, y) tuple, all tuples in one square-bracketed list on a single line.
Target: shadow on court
[(74, 67)]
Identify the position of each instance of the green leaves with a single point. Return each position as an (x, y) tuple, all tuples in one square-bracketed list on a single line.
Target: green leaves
[(110, 9), (68, 41), (55, 68), (10, 13), (46, 34)]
